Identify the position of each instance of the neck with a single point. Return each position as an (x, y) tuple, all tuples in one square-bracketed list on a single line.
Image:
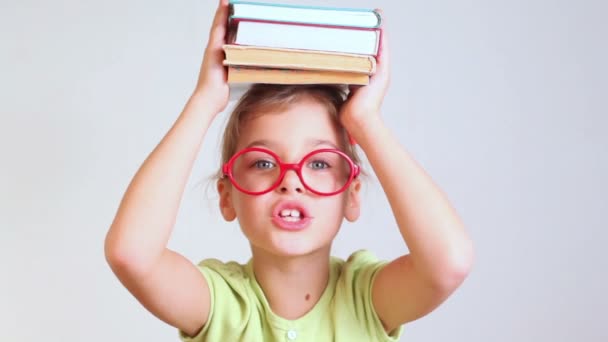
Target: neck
[(292, 285)]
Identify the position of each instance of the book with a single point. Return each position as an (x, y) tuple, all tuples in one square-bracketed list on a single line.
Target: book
[(328, 16), (304, 37), (256, 56), (292, 76)]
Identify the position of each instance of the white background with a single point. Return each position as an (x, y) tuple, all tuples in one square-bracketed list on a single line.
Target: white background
[(503, 103)]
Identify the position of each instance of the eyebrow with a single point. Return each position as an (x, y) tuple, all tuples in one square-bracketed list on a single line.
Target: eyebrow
[(270, 144), (262, 142), (317, 142)]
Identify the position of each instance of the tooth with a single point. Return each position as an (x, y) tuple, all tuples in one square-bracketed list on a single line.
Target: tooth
[(295, 213), (285, 212)]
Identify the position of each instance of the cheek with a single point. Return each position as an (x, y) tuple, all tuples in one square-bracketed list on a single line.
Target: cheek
[(249, 208), (331, 206)]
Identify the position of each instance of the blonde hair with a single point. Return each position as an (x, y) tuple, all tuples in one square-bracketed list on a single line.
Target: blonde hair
[(263, 98)]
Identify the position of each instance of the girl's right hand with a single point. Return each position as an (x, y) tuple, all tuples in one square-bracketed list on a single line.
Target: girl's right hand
[(212, 80)]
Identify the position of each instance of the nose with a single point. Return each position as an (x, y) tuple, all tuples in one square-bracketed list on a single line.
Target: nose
[(291, 183)]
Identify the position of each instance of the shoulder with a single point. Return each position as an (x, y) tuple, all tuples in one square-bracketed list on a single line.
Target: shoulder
[(355, 278), (354, 292), (359, 261), (225, 276), (230, 288), (231, 269), (230, 299), (363, 256)]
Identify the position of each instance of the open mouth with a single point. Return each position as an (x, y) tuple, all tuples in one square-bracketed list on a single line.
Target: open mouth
[(291, 215)]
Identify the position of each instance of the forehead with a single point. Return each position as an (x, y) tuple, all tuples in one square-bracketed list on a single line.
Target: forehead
[(303, 123)]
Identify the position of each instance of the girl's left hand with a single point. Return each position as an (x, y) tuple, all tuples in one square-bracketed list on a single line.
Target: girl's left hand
[(364, 102)]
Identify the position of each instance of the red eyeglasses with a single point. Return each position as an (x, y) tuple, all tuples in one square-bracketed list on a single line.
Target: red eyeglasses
[(325, 172)]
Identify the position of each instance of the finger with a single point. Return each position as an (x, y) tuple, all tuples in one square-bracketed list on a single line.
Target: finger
[(383, 51), (381, 75), (218, 29), (222, 10), (352, 89)]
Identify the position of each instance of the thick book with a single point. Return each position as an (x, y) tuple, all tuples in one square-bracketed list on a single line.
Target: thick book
[(256, 56), (292, 76), (304, 37), (318, 15)]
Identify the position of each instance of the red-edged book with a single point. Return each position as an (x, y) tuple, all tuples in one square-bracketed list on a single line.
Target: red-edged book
[(304, 36)]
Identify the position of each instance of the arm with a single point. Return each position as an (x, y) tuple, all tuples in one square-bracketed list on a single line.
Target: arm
[(440, 251), (166, 283)]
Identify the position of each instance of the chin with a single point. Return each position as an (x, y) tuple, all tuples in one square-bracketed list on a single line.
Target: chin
[(284, 243), (294, 250)]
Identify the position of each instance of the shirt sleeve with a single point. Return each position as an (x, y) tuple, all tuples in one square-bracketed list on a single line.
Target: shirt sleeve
[(230, 304), (358, 275)]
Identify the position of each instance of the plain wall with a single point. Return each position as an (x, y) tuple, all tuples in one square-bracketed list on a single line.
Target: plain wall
[(504, 103)]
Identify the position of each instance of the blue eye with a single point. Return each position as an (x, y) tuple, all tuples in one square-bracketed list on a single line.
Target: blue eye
[(263, 164), (318, 165)]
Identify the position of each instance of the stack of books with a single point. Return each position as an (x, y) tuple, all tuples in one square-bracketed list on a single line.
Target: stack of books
[(287, 44)]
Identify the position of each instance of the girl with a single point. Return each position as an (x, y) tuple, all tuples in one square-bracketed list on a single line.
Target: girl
[(289, 176)]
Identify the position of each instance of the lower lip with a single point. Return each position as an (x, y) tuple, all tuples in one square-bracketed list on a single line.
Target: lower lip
[(291, 226)]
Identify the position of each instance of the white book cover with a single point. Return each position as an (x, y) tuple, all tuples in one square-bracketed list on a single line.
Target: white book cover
[(308, 37)]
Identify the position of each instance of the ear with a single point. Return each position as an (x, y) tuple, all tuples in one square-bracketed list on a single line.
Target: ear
[(224, 188), (353, 201)]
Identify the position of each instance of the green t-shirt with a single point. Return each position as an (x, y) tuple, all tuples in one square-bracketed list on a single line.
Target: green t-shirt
[(239, 310)]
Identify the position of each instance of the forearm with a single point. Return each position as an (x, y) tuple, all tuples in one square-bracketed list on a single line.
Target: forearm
[(439, 246), (146, 216)]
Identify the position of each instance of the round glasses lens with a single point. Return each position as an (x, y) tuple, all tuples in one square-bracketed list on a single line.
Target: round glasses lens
[(255, 171), (326, 172)]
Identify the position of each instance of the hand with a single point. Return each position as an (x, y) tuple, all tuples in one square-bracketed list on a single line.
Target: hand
[(364, 102), (212, 80)]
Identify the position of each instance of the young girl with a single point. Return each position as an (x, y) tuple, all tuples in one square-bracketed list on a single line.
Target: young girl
[(290, 177)]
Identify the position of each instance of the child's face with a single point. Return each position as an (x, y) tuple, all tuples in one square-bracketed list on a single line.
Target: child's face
[(291, 134)]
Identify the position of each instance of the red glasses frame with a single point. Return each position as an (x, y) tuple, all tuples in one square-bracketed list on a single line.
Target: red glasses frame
[(284, 167)]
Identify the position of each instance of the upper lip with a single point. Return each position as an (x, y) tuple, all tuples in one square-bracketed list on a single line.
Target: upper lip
[(282, 205)]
